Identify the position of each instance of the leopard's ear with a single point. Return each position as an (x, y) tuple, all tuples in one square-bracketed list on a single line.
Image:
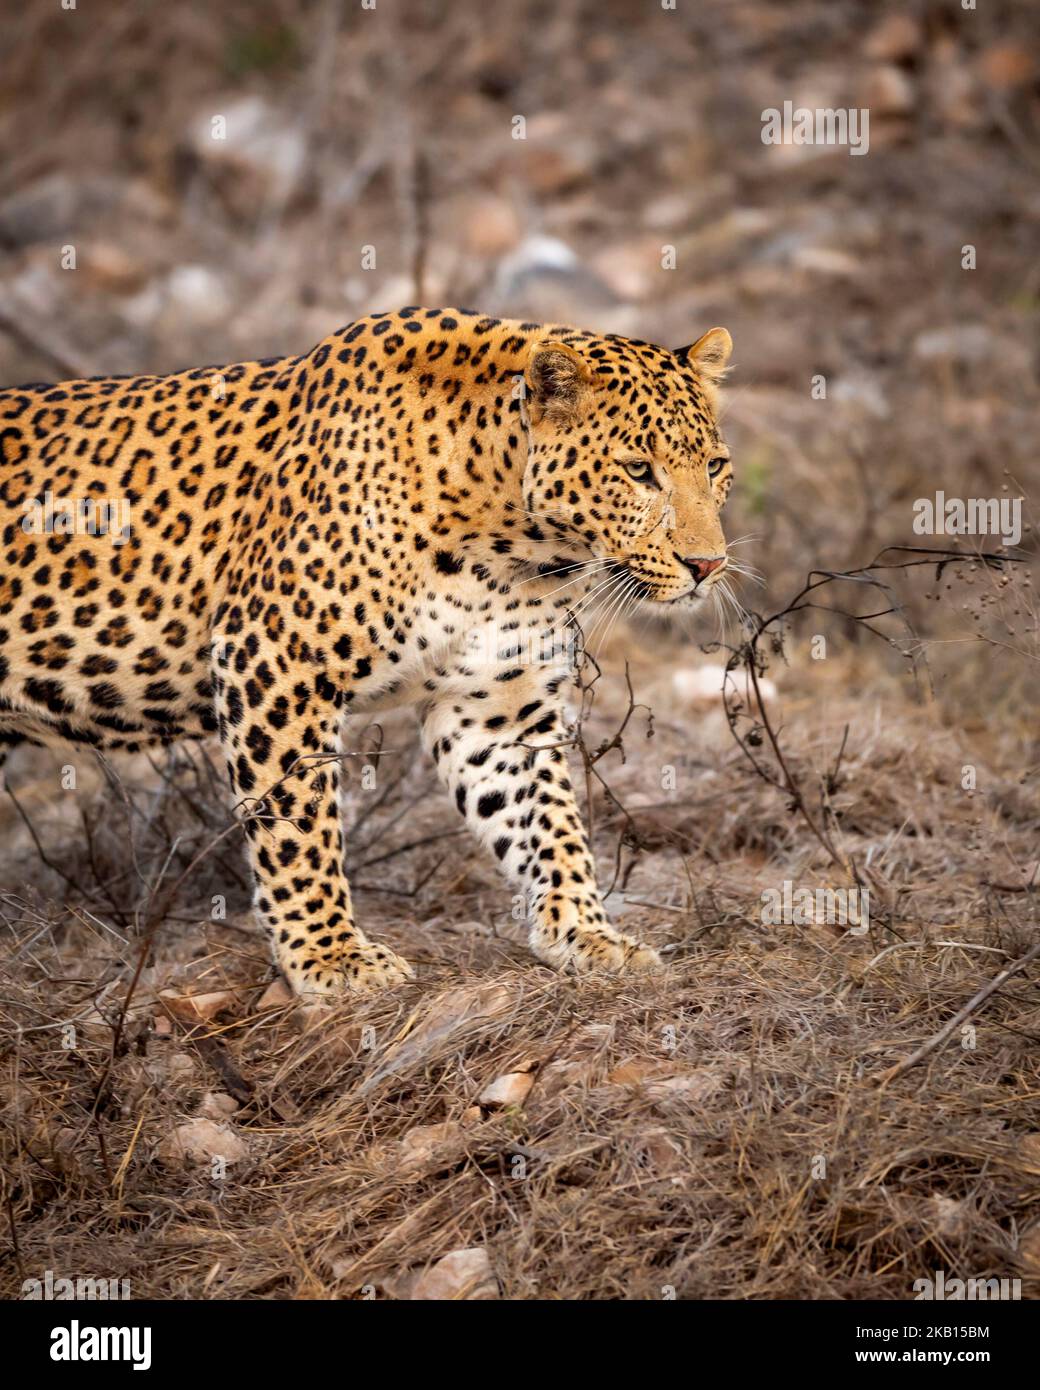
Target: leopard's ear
[(558, 381), (709, 354)]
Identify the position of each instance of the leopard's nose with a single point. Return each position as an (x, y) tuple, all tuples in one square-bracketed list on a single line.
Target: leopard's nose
[(700, 567)]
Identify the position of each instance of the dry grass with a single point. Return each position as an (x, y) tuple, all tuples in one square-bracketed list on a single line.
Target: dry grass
[(675, 1127)]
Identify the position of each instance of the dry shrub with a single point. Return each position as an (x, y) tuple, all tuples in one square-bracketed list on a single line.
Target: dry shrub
[(675, 1129)]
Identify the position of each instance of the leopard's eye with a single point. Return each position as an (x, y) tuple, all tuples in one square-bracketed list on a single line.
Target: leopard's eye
[(716, 466), (640, 470)]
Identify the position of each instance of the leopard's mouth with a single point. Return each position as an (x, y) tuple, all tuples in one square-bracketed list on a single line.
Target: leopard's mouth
[(646, 591)]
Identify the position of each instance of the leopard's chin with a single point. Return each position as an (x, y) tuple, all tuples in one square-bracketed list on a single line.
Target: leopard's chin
[(689, 598), (653, 596)]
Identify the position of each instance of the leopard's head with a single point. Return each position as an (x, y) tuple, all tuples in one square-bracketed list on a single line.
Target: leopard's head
[(626, 460)]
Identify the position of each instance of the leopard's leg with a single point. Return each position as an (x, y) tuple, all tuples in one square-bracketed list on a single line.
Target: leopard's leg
[(496, 739), (283, 763)]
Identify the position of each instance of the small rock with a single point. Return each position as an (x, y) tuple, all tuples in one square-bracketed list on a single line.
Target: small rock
[(466, 927), (67, 1151), (889, 92), (862, 392), (583, 1062), (198, 293), (947, 1213), (1030, 1151), (180, 1067), (553, 158), (544, 271), (826, 260), (491, 225), (636, 1070), (422, 1149), (201, 1140), (96, 1027), (250, 135), (421, 1139), (691, 1088), (672, 209), (463, 1275), (660, 1154), (895, 39), (197, 1008), (276, 996), (632, 270), (704, 684), (952, 87), (970, 344), (536, 255), (1021, 879), (217, 1105), (510, 1089), (666, 1081), (45, 209), (110, 269)]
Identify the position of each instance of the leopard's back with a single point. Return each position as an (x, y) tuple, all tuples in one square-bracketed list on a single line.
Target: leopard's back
[(119, 501)]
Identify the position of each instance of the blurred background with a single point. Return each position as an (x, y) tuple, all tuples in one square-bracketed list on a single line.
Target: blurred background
[(238, 180)]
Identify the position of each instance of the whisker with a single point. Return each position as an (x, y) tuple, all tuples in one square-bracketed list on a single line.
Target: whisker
[(627, 599), (730, 604), (746, 572), (607, 613), (616, 577), (719, 611), (584, 567), (586, 599)]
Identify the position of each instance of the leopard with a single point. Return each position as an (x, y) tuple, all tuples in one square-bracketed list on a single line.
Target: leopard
[(423, 511)]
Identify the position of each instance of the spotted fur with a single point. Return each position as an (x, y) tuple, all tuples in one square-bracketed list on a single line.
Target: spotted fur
[(424, 509)]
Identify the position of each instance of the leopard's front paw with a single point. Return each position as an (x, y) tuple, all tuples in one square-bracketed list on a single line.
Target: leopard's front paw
[(364, 966), (576, 936)]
